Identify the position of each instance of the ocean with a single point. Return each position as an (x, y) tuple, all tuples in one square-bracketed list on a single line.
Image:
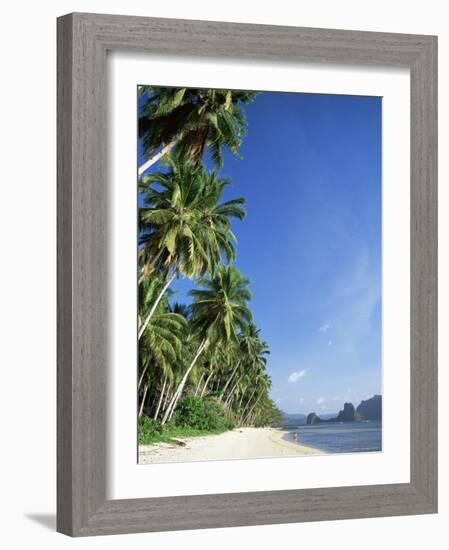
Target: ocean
[(343, 437)]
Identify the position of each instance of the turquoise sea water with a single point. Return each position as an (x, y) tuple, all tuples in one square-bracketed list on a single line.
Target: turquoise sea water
[(345, 437)]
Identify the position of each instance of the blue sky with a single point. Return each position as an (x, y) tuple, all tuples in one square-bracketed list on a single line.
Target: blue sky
[(311, 244)]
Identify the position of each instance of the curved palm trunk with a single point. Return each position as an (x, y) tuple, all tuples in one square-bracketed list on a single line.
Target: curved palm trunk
[(156, 414), (167, 395), (229, 409), (197, 391), (245, 408), (154, 306), (248, 416), (231, 393), (229, 380), (152, 160), (241, 397), (142, 404), (143, 374), (206, 383), (172, 405)]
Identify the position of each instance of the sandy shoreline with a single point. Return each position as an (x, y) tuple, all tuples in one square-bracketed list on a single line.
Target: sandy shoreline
[(238, 444)]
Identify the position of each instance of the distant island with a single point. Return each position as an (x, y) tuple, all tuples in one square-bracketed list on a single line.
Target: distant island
[(369, 409)]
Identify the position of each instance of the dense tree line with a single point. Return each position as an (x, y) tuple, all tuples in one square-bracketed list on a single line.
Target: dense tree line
[(209, 349)]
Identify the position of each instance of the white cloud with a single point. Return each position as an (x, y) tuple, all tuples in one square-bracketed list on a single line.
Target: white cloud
[(295, 376), (301, 399), (325, 327), (329, 343), (321, 400)]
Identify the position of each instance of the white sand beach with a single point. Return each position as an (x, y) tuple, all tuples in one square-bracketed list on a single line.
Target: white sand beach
[(237, 444)]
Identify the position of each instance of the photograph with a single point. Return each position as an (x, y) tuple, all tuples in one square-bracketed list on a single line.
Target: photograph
[(259, 274)]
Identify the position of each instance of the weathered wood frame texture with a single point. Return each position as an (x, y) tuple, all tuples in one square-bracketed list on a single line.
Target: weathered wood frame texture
[(83, 40)]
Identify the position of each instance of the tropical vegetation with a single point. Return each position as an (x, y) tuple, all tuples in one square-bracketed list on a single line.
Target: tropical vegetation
[(202, 365)]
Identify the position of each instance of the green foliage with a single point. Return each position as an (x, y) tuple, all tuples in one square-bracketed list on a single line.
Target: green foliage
[(209, 348), (220, 308), (183, 226), (150, 431), (193, 417), (201, 414), (163, 340), (194, 119), (268, 413)]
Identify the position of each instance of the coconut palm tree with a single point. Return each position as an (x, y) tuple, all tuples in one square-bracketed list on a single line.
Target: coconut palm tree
[(229, 366), (160, 350), (190, 119), (250, 342), (184, 228), (219, 363), (251, 355), (263, 385), (219, 310)]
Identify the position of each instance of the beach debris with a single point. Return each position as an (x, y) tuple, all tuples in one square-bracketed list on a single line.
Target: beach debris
[(178, 442)]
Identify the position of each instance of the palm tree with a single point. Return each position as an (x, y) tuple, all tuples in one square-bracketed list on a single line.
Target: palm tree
[(230, 364), (215, 361), (160, 350), (184, 228), (250, 342), (219, 310), (262, 387), (251, 354), (189, 120)]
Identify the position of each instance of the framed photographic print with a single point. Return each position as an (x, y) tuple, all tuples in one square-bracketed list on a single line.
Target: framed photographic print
[(247, 286)]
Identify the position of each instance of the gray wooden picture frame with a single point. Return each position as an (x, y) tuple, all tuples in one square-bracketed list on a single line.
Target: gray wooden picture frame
[(83, 40)]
